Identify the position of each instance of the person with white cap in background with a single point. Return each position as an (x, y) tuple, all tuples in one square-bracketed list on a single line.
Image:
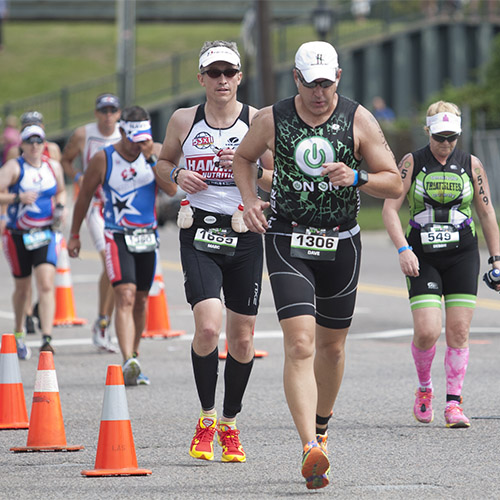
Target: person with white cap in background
[(438, 253), (83, 144), (126, 171), (313, 247), (36, 188), (50, 150), (207, 135)]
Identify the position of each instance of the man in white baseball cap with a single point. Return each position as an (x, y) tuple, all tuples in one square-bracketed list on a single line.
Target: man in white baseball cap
[(317, 60), (318, 139)]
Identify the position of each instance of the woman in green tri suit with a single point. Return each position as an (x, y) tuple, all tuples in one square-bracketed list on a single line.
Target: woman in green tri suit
[(439, 253)]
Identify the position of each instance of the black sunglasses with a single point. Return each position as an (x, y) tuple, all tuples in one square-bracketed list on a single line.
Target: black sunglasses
[(215, 73), (34, 139), (107, 110), (324, 84), (442, 138)]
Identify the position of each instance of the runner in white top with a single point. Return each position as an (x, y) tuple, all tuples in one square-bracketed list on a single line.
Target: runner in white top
[(83, 144), (207, 136)]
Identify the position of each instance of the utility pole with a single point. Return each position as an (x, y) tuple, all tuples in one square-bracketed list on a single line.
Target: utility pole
[(125, 54), (264, 66)]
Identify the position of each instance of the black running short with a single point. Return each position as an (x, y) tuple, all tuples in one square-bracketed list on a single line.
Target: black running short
[(324, 289), (239, 276), (124, 266)]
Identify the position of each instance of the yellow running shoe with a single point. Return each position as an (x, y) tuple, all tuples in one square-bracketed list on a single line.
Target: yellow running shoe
[(228, 437), (202, 445), (315, 466)]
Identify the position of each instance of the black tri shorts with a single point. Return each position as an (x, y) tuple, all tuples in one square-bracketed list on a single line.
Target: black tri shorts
[(324, 289), (239, 276), (124, 266)]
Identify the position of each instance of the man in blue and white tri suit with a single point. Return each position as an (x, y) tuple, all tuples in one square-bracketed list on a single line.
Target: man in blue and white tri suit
[(129, 183)]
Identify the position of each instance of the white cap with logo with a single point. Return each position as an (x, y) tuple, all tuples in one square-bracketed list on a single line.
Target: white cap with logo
[(317, 60)]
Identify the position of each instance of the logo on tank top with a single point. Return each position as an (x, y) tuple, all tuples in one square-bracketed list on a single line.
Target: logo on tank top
[(312, 153), (128, 174), (443, 187), (202, 140)]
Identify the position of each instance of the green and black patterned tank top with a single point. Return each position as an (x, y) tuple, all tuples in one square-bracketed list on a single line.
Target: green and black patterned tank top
[(441, 193), (299, 194)]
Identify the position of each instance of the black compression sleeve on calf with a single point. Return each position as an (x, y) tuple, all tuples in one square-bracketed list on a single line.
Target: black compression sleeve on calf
[(206, 371), (236, 377), (322, 421)]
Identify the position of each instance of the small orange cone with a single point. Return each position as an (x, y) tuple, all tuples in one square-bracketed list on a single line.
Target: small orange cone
[(46, 432), (65, 302), (115, 448), (13, 414), (258, 354), (157, 322)]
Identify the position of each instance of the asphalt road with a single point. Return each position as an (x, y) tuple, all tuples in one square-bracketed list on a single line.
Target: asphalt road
[(377, 449)]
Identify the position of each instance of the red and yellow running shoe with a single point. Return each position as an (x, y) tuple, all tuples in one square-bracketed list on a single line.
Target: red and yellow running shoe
[(202, 445), (228, 437)]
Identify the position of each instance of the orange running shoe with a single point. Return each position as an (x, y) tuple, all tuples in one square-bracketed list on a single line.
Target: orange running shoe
[(202, 445), (322, 441), (229, 438), (315, 466)]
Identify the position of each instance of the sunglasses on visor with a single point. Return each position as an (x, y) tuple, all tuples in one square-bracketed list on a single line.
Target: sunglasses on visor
[(442, 138), (324, 84), (215, 73)]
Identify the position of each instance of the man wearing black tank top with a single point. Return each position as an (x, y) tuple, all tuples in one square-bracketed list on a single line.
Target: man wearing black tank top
[(215, 255), (313, 246)]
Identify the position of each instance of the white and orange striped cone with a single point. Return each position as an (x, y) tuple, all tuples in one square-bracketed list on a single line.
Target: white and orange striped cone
[(157, 320), (65, 302), (46, 432), (115, 448), (13, 413), (258, 354)]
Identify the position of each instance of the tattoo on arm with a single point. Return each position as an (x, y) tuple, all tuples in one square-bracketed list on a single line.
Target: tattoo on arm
[(404, 166)]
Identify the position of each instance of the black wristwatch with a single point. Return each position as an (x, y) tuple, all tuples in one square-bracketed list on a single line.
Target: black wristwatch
[(362, 178), (260, 172), (152, 160), (493, 258)]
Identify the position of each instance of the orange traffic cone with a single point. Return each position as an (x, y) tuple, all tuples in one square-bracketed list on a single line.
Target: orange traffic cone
[(115, 448), (13, 414), (258, 354), (157, 322), (65, 302), (46, 432)]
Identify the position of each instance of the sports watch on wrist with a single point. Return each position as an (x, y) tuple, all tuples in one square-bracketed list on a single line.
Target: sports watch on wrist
[(362, 178)]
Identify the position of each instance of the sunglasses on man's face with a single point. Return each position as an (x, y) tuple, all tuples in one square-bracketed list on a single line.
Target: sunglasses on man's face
[(324, 84), (34, 140), (107, 110), (442, 138), (215, 73)]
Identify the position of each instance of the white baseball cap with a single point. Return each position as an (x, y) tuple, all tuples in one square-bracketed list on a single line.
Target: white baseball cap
[(444, 122), (219, 53), (317, 60)]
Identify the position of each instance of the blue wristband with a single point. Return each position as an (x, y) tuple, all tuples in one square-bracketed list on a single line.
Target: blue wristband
[(402, 249), (355, 183), (172, 172), (77, 176)]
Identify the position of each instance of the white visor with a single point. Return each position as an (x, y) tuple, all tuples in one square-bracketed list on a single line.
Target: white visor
[(137, 131), (31, 131), (444, 122), (215, 54)]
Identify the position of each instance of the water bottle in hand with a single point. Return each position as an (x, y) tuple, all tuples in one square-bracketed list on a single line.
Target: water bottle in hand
[(492, 278)]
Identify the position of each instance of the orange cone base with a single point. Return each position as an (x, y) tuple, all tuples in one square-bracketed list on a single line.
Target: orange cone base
[(129, 471), (15, 425), (70, 322), (258, 354), (162, 333), (46, 448)]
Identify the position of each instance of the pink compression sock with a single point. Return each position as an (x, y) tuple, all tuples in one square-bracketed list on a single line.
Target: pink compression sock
[(423, 363), (455, 366)]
